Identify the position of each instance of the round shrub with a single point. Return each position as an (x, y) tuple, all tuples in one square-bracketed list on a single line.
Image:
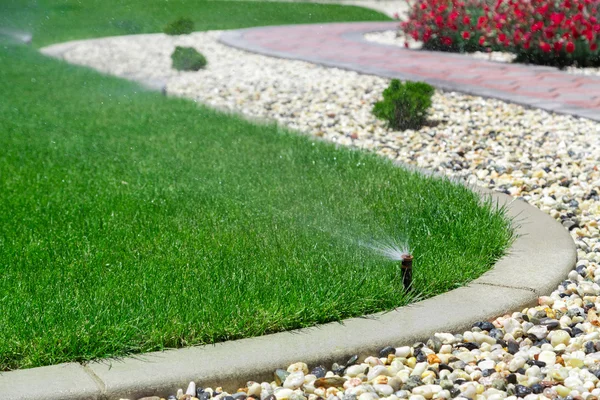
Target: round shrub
[(187, 59), (404, 105), (181, 26)]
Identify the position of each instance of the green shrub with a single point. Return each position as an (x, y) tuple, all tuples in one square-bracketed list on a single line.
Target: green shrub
[(187, 59), (404, 105), (181, 26)]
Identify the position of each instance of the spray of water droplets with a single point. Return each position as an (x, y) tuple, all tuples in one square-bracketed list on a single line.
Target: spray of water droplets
[(390, 249)]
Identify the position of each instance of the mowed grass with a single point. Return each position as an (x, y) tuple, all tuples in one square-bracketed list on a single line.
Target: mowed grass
[(132, 222), (52, 21)]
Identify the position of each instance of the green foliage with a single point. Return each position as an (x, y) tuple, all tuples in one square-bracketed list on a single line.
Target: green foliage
[(404, 105), (181, 26), (187, 59), (51, 21), (581, 57)]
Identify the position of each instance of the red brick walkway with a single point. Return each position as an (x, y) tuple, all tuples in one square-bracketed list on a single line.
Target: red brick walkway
[(342, 45)]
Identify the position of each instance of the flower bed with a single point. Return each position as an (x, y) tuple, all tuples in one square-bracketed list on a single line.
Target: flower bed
[(546, 32)]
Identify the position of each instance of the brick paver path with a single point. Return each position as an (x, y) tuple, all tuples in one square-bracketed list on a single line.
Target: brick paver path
[(342, 45)]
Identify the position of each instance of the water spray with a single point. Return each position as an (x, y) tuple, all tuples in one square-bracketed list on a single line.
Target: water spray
[(396, 252)]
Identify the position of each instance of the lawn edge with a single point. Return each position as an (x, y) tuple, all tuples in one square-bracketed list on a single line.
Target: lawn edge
[(543, 248)]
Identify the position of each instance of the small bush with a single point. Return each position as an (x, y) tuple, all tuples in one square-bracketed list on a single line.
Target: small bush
[(181, 26), (404, 105), (187, 59)]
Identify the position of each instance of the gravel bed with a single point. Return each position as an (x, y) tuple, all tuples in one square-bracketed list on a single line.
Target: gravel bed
[(551, 351), (397, 38)]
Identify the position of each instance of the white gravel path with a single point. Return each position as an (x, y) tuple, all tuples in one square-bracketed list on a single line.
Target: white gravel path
[(549, 160)]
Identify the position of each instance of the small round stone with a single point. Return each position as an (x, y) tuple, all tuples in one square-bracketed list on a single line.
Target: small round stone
[(386, 351), (319, 371)]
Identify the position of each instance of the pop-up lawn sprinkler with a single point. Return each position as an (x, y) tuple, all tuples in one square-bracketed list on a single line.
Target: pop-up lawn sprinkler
[(406, 267)]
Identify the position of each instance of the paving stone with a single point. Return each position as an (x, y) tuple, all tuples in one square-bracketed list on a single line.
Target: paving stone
[(536, 84)]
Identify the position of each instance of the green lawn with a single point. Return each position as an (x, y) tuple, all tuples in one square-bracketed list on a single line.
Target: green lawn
[(53, 21), (133, 222)]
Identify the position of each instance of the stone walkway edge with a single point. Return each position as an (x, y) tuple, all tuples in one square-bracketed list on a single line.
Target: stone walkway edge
[(539, 259), (342, 45)]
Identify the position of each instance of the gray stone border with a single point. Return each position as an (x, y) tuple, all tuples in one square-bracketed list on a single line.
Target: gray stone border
[(234, 38), (539, 259)]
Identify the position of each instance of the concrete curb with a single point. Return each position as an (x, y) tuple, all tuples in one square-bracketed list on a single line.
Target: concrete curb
[(543, 249), (235, 39)]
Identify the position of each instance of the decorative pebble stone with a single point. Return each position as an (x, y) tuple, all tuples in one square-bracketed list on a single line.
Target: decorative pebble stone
[(319, 371), (559, 337), (294, 380), (280, 376), (330, 382), (386, 351), (191, 389), (299, 366)]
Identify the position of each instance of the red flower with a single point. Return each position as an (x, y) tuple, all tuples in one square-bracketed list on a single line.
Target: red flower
[(557, 18), (481, 21), (517, 37), (427, 35), (502, 37), (537, 26), (545, 47), (589, 35), (466, 20), (557, 46), (424, 5), (570, 47), (466, 35), (549, 33), (446, 41), (594, 46), (481, 40)]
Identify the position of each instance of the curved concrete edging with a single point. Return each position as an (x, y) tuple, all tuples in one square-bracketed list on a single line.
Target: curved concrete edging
[(538, 261)]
